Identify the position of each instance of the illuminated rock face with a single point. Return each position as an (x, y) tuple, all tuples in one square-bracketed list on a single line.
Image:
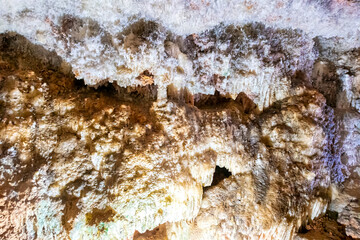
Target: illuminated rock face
[(103, 166), (206, 46), (195, 121)]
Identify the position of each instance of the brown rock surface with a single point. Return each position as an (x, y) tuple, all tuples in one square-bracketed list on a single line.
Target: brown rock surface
[(84, 163)]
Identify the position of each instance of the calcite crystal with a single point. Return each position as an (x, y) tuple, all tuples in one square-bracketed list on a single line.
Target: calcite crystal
[(179, 119), (201, 45), (103, 166)]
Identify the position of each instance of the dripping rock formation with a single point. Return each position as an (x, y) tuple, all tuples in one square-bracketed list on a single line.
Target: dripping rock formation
[(179, 119)]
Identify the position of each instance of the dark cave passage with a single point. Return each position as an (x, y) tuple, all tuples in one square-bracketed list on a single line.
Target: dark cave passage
[(220, 174)]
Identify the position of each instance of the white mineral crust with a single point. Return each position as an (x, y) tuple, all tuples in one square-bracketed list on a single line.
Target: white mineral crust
[(81, 163)]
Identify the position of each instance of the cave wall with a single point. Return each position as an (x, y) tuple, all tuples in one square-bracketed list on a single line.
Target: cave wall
[(179, 119)]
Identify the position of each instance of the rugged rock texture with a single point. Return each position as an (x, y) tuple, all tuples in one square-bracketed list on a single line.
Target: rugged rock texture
[(324, 227), (201, 45), (340, 72), (347, 202), (179, 120)]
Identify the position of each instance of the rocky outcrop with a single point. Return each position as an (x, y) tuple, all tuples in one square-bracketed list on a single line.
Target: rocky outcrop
[(106, 164), (245, 47), (197, 123)]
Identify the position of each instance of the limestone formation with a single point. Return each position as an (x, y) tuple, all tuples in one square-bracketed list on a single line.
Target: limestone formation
[(179, 119)]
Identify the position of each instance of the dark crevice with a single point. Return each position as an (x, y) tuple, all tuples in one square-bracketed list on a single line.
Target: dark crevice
[(323, 227), (326, 80), (79, 83), (128, 94), (303, 230), (211, 101), (131, 93), (203, 100), (17, 52), (220, 174)]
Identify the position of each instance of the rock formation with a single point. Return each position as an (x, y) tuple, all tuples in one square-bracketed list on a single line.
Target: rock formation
[(179, 120)]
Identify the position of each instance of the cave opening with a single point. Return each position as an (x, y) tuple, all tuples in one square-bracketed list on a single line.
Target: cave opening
[(220, 174)]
